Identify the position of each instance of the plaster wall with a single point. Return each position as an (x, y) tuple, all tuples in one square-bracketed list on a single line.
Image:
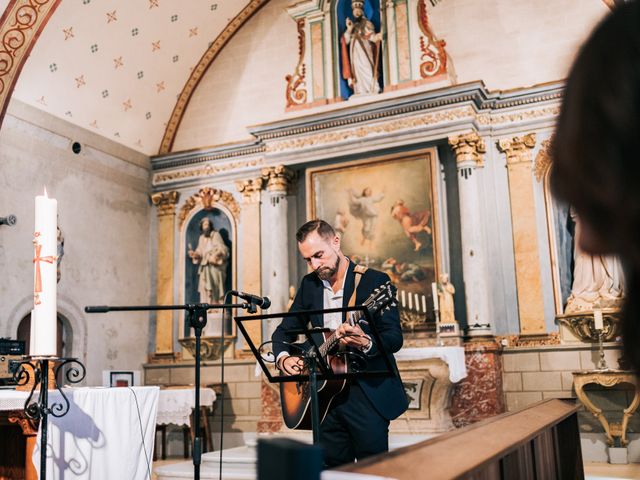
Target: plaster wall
[(507, 45), (104, 213)]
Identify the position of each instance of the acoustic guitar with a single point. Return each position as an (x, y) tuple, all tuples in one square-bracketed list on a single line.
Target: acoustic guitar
[(295, 397)]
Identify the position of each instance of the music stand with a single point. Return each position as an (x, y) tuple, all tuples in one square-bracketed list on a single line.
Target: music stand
[(316, 366)]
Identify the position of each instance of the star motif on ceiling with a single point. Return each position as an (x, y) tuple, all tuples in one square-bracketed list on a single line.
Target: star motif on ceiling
[(80, 81), (42, 101), (153, 3), (111, 17), (118, 62), (94, 124), (160, 87), (155, 46), (126, 106), (68, 33), (193, 32), (139, 143)]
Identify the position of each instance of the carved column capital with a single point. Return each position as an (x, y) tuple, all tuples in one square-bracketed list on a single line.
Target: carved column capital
[(543, 159), (250, 189), (278, 178), (166, 202), (518, 149), (469, 149)]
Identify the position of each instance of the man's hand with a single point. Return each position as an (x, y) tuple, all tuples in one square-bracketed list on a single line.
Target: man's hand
[(291, 365), (352, 336)]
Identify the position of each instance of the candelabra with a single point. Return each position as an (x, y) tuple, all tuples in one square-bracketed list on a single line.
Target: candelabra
[(39, 408)]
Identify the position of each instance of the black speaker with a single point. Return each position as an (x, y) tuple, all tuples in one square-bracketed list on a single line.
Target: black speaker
[(287, 459)]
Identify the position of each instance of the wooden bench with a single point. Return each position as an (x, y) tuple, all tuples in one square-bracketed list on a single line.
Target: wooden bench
[(541, 441)]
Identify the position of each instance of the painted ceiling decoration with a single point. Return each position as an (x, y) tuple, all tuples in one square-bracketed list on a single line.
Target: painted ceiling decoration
[(197, 73), (125, 69), (20, 25)]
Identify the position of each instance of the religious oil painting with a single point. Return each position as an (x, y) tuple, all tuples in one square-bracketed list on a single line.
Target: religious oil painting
[(386, 215), (208, 262)]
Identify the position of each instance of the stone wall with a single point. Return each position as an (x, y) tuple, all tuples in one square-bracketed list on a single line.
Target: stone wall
[(104, 214), (534, 374)]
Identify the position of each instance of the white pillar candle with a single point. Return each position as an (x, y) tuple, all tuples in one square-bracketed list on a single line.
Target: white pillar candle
[(43, 319), (417, 303), (403, 298), (410, 297), (597, 319), (424, 304), (434, 292)]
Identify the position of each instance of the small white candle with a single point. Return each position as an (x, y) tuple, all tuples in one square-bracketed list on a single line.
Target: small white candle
[(434, 292), (43, 319), (597, 319), (417, 303), (424, 304), (410, 297), (403, 298)]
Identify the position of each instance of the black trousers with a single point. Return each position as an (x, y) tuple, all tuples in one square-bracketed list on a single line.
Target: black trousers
[(353, 429)]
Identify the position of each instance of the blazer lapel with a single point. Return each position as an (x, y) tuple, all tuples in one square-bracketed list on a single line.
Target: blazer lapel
[(348, 287), (317, 303)]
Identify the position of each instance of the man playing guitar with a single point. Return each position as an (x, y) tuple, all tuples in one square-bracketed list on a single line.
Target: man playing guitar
[(357, 422)]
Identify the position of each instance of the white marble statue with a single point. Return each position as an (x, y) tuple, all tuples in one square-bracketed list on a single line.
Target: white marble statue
[(445, 299), (598, 280)]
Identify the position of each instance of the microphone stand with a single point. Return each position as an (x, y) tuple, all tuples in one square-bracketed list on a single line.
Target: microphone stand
[(197, 318)]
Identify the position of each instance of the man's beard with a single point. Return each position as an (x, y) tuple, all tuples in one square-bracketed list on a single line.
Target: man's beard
[(325, 273)]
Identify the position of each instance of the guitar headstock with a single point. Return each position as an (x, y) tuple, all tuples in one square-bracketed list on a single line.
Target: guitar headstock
[(382, 298)]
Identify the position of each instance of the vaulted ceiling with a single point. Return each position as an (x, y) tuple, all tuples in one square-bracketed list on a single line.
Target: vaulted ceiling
[(118, 67)]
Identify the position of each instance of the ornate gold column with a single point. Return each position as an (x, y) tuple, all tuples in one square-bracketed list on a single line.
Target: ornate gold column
[(249, 251), (166, 205), (525, 239), (276, 239), (469, 149)]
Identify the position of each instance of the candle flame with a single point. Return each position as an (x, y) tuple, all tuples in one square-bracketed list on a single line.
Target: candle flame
[(45, 193)]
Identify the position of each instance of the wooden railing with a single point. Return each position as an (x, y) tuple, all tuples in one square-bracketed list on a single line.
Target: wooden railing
[(538, 442)]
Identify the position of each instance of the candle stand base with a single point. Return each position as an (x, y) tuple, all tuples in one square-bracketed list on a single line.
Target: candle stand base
[(36, 371)]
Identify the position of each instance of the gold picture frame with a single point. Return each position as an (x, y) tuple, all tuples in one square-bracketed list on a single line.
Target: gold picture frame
[(386, 211)]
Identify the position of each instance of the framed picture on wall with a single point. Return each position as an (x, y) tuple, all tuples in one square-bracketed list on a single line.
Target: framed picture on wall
[(120, 378), (386, 213)]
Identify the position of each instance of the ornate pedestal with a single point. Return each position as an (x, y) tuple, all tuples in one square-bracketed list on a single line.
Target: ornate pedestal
[(608, 378), (428, 375)]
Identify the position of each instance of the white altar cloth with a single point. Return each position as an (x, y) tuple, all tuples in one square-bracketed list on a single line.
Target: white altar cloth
[(12, 399), (107, 434), (452, 356), (175, 404)]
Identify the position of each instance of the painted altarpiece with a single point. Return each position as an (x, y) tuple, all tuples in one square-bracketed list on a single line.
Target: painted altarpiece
[(386, 212)]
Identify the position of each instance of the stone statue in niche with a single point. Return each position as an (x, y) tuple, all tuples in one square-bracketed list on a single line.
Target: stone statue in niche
[(360, 52), (598, 280), (445, 299), (212, 256)]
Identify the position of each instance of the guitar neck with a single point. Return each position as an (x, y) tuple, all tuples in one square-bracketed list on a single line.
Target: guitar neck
[(352, 319)]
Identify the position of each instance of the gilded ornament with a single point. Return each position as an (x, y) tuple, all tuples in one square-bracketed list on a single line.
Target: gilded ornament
[(543, 159), (296, 94), (250, 189), (433, 53), (205, 171), (207, 198), (278, 178), (468, 147), (517, 149), (166, 202)]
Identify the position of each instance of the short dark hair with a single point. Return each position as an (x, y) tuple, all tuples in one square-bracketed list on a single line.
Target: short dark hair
[(325, 230)]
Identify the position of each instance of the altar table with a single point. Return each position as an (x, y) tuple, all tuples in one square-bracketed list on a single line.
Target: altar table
[(106, 434)]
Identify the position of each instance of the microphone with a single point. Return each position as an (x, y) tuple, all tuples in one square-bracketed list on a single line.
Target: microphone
[(262, 302), (98, 309)]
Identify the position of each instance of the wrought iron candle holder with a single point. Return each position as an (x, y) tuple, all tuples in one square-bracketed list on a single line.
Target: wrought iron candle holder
[(36, 407)]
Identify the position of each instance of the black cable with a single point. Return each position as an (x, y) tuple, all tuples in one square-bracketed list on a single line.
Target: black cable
[(227, 298), (144, 447)]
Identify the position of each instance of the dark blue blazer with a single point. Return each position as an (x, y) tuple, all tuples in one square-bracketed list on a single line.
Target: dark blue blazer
[(385, 393)]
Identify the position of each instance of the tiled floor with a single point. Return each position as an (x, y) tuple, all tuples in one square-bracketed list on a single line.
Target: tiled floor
[(593, 471), (601, 471)]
